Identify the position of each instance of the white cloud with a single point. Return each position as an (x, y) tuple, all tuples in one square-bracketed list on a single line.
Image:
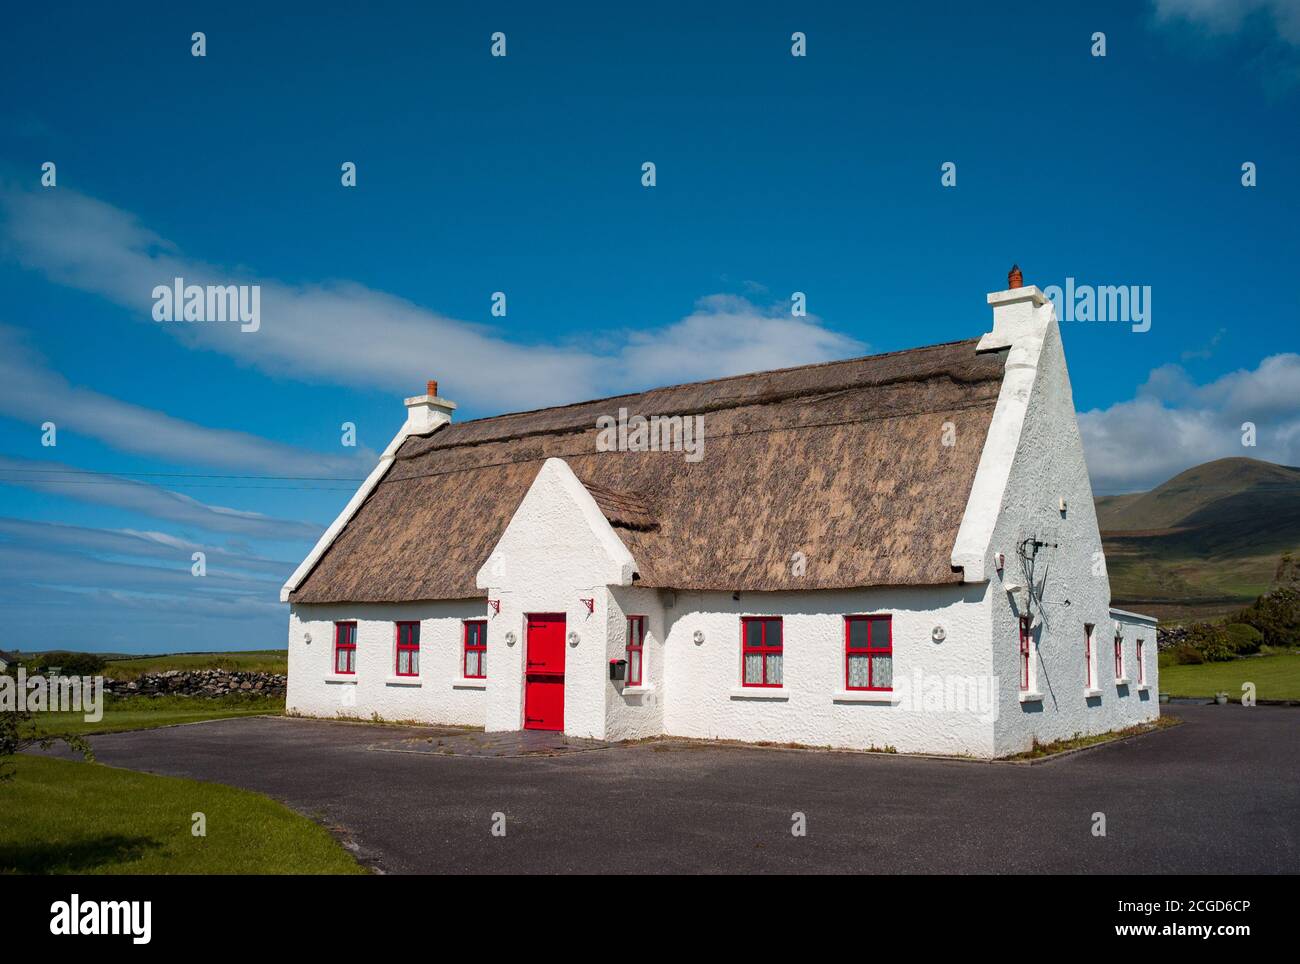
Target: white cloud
[(30, 392), (729, 335), (1229, 16), (345, 333), (1173, 424), (57, 478)]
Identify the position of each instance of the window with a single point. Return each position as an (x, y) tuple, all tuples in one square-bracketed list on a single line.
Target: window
[(761, 650), (345, 648), (868, 653), (635, 639), (1025, 636), (408, 649), (1087, 655), (1119, 657), (476, 649), (1142, 668)]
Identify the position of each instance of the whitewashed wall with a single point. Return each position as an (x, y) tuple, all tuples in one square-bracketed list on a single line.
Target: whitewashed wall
[(705, 699), (440, 694), (557, 551), (635, 712), (1048, 466)]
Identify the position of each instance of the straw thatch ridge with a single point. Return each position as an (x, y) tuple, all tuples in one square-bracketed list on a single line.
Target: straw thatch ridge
[(824, 476)]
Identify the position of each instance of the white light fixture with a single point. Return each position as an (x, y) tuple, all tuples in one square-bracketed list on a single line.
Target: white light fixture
[(938, 634), (510, 638), (698, 636), (573, 638), (306, 638)]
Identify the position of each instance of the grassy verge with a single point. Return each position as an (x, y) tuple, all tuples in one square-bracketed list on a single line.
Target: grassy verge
[(1276, 677), (146, 712), (1040, 750), (64, 817), (252, 661)]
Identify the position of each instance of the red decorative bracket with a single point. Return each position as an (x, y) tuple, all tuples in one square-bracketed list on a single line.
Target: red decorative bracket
[(590, 604), (495, 606)]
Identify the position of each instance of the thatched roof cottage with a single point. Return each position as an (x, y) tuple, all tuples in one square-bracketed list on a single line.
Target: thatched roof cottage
[(891, 551)]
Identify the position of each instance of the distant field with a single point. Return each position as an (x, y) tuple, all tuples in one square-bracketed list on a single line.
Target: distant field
[(1276, 677), (147, 712), (252, 660), (64, 817)]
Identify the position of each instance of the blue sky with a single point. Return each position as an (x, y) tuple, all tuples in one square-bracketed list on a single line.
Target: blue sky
[(522, 174)]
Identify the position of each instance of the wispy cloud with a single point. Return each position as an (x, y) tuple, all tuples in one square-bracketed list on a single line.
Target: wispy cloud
[(346, 333), (159, 546), (1230, 16), (151, 500), (30, 391), (1173, 424)]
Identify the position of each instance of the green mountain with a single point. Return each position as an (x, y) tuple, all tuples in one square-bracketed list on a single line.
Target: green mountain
[(1203, 543)]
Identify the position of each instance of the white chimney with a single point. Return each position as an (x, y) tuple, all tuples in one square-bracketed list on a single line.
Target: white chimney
[(426, 412), (1019, 313)]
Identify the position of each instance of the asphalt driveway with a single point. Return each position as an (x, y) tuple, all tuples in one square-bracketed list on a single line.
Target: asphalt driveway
[(1218, 794)]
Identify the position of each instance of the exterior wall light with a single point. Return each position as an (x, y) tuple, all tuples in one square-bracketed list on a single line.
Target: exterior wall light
[(698, 636), (573, 638), (510, 639)]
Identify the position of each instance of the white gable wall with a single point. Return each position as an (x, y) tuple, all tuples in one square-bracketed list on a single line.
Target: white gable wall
[(558, 550), (1048, 466)]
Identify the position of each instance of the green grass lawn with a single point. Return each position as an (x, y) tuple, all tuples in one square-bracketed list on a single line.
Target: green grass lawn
[(65, 817), (146, 712), (252, 660), (1276, 677)]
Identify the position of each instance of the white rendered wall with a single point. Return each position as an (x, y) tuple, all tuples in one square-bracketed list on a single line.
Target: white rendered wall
[(705, 699), (439, 694), (635, 712), (1049, 465)]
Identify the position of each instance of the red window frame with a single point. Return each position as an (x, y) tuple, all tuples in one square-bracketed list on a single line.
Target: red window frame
[(870, 650), (1119, 657), (1142, 669), (479, 647), (407, 637), (1025, 638), (1087, 654), (635, 631), (345, 644), (762, 648)]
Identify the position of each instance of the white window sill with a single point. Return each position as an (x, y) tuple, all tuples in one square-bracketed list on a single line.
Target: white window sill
[(1144, 687), (759, 693), (1122, 681), (888, 697), (339, 678), (1091, 692), (469, 684), (638, 690), (403, 681), (1029, 696)]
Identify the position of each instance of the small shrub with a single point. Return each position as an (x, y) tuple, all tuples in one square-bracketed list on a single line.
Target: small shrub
[(1212, 642), (1188, 655), (1243, 638)]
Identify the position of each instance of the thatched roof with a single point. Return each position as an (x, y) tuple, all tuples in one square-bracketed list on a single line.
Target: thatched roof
[(843, 462)]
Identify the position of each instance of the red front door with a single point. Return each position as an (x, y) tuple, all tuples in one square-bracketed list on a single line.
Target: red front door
[(544, 673)]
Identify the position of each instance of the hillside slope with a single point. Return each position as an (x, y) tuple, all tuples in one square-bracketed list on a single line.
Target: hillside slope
[(1203, 542)]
